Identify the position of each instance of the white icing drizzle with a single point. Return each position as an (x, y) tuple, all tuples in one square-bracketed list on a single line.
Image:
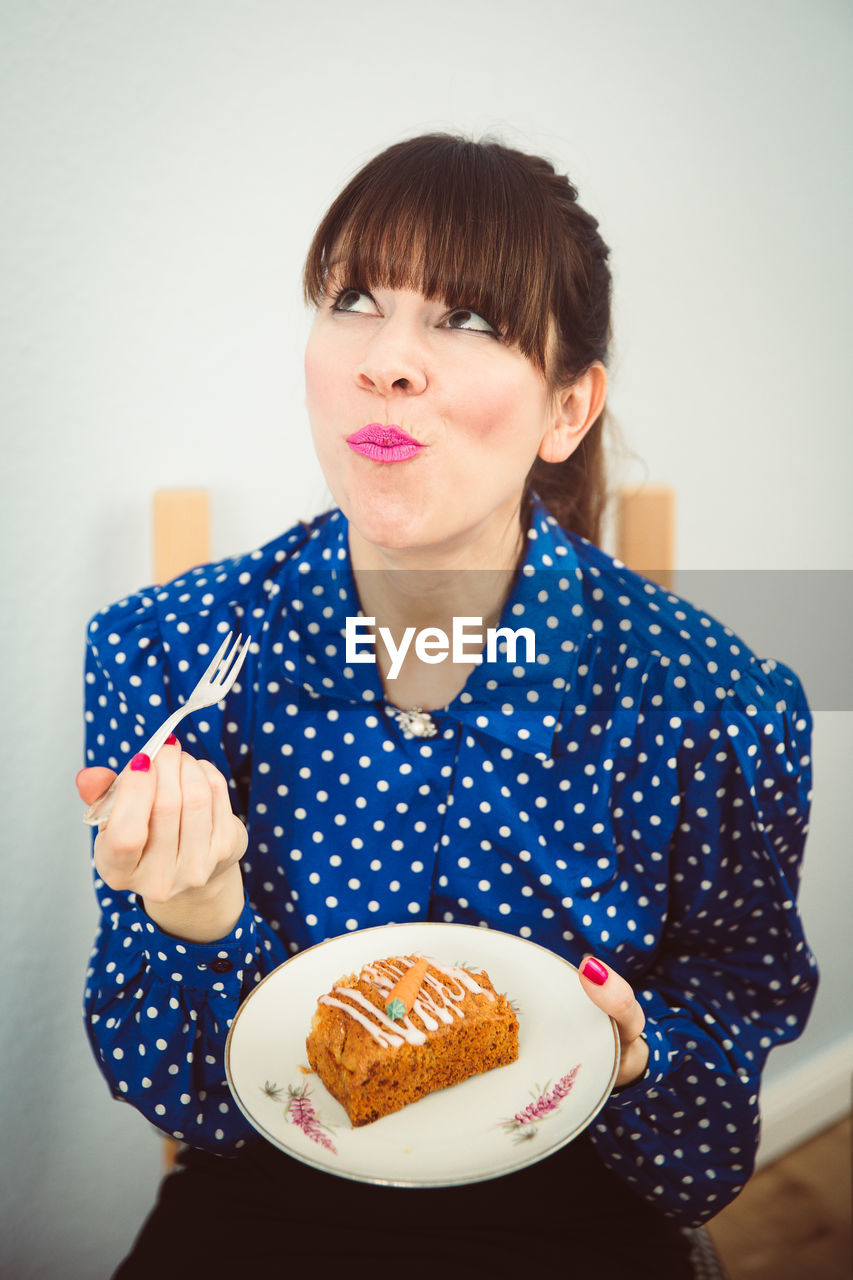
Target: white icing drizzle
[(444, 1011), (383, 1037), (436, 1002), (404, 1028), (420, 1007), (381, 979), (462, 975)]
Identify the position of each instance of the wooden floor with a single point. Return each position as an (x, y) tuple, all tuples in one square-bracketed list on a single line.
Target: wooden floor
[(793, 1220)]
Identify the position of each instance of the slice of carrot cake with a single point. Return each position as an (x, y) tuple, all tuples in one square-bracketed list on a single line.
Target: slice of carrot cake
[(403, 1027)]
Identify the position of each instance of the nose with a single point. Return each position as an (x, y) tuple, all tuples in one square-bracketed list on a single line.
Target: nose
[(394, 361)]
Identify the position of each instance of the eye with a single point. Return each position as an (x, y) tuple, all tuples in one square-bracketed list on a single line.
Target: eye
[(357, 300), (462, 318)]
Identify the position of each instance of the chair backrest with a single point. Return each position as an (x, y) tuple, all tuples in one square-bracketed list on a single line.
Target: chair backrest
[(645, 531), (180, 522)]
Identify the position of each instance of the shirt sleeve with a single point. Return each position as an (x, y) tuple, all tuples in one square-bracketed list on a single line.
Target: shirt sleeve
[(733, 976), (158, 1009)]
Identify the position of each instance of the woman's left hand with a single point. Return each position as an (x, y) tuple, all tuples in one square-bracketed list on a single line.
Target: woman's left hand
[(615, 996)]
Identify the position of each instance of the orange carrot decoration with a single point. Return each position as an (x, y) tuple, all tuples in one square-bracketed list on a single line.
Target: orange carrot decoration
[(404, 993)]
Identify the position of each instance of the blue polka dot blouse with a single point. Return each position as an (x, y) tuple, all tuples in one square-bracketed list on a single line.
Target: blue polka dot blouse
[(639, 790)]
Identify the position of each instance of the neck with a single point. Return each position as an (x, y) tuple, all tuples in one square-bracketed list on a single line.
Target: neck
[(429, 587)]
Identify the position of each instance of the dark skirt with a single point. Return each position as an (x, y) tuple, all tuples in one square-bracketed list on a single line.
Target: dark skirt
[(263, 1213)]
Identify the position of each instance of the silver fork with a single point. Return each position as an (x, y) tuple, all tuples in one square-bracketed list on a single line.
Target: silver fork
[(213, 686)]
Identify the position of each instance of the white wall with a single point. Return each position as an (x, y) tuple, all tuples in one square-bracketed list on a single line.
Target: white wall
[(164, 164)]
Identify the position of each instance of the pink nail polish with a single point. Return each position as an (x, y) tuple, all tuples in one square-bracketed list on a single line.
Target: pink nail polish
[(140, 763), (594, 970), (170, 741)]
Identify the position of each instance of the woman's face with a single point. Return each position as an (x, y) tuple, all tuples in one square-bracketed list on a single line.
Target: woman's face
[(450, 419)]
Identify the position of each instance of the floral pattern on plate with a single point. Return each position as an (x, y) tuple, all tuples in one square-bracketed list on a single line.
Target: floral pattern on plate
[(545, 1102), (300, 1111)]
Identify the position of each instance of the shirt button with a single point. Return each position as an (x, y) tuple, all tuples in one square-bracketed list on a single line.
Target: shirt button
[(221, 966)]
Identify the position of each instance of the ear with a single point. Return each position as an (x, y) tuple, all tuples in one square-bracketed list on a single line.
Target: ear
[(575, 409)]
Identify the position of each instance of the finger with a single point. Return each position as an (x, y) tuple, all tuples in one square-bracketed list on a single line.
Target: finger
[(93, 782), (195, 862), (633, 1062), (119, 844), (615, 996), (161, 852), (230, 838)]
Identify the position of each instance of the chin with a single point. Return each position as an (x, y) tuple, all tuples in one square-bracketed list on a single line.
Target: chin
[(394, 534), (389, 520)]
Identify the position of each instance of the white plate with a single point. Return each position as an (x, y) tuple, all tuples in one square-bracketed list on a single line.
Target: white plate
[(489, 1125)]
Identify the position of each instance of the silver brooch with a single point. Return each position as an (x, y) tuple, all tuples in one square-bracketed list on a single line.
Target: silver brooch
[(415, 723)]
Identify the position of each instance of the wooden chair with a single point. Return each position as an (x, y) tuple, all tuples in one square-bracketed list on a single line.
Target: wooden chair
[(180, 526), (645, 531), (645, 542)]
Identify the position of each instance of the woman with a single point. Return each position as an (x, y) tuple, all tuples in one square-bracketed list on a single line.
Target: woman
[(633, 795)]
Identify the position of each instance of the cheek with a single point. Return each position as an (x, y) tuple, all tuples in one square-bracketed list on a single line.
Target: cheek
[(484, 404), (314, 372), (326, 361), (506, 409)]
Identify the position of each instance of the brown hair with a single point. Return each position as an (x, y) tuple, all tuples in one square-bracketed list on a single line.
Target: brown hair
[(481, 225)]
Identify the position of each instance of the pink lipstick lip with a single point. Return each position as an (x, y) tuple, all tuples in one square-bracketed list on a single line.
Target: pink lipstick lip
[(384, 443), (376, 433)]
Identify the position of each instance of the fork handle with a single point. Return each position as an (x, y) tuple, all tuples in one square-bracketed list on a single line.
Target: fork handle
[(98, 813)]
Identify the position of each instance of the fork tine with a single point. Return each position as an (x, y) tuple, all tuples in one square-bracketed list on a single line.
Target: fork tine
[(222, 674), (216, 661), (232, 675)]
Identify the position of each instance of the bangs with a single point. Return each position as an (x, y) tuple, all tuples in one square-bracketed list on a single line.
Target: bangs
[(458, 221)]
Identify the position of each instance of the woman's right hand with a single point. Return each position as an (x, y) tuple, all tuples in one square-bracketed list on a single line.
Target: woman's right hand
[(172, 839)]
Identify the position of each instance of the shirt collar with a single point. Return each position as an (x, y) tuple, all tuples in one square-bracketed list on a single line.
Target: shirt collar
[(517, 703)]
